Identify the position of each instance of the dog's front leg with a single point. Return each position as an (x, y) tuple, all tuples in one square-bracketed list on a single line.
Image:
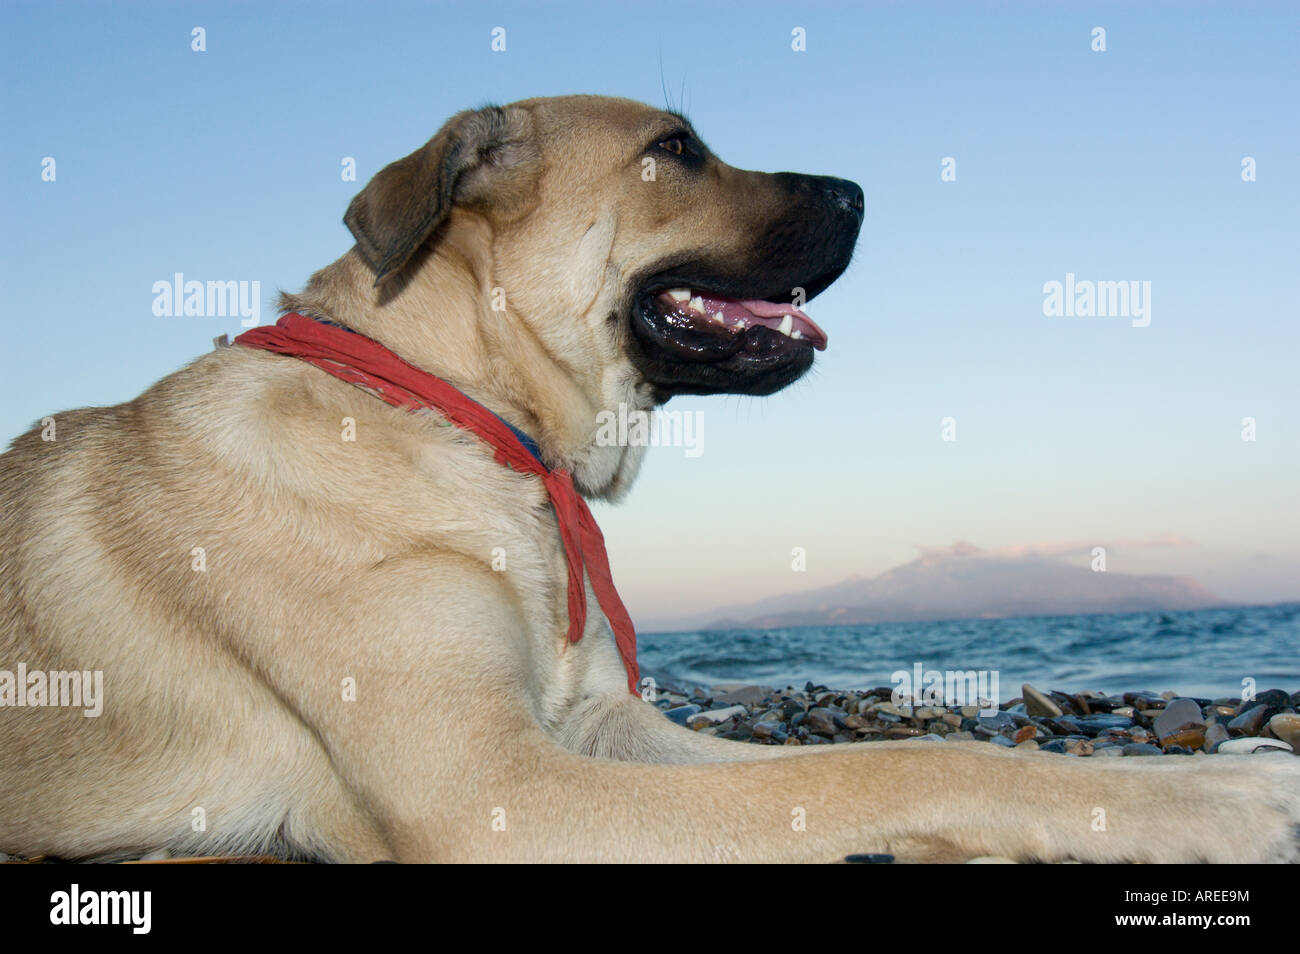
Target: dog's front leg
[(446, 757), (523, 798)]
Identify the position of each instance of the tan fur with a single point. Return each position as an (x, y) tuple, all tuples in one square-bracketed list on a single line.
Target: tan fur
[(478, 732)]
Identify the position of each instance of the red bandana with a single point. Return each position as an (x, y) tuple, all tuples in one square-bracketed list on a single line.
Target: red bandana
[(366, 363)]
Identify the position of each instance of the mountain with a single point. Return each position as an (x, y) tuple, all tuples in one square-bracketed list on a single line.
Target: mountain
[(964, 582)]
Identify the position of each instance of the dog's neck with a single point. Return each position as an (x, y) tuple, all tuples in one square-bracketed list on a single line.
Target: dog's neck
[(438, 316)]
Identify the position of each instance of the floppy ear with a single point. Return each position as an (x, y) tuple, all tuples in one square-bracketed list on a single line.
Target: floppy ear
[(478, 156)]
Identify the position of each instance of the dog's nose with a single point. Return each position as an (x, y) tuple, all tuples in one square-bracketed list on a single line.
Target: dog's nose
[(847, 195)]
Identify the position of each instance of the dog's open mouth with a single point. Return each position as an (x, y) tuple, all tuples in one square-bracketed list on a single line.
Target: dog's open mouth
[(696, 339), (698, 325)]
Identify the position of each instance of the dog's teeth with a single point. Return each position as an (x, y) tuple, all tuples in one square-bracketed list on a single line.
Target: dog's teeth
[(697, 304), (787, 323), (680, 294), (719, 318), (797, 335), (741, 324)]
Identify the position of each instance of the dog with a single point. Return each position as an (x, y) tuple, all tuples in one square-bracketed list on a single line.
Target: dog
[(334, 628)]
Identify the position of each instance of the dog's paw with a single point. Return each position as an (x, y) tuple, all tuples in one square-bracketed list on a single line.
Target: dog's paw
[(1218, 809)]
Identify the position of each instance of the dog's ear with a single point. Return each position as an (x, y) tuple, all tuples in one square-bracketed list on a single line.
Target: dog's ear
[(483, 157)]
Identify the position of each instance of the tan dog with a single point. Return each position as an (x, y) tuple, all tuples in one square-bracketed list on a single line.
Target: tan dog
[(233, 566)]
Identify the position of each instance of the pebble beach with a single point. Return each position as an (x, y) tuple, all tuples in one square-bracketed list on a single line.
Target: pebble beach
[(1079, 724)]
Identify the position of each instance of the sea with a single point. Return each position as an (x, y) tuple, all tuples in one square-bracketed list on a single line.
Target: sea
[(1204, 653)]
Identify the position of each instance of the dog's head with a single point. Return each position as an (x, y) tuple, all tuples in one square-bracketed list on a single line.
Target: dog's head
[(561, 259), (616, 232)]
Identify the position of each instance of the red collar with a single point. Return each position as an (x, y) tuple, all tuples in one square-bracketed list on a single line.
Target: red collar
[(366, 363)]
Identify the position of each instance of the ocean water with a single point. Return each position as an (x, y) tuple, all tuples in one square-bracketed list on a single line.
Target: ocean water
[(1199, 653)]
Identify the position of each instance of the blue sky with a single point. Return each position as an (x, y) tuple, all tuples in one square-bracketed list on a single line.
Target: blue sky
[(1071, 432)]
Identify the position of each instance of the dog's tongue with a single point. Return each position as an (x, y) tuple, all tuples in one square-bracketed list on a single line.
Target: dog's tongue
[(772, 309)]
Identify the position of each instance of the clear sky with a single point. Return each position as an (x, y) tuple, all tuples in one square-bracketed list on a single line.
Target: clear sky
[(1122, 165)]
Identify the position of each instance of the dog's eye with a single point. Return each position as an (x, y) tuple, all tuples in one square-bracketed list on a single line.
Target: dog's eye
[(676, 145)]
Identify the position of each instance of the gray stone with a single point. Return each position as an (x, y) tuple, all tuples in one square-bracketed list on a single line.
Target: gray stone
[(1214, 735), (821, 721), (1245, 746), (1141, 748), (682, 713), (1272, 698), (997, 720), (1178, 713), (1101, 721), (1038, 704), (1250, 721)]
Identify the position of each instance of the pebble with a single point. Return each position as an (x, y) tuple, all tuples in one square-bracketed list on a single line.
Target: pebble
[(901, 732), (741, 695), (1286, 726), (1141, 748), (1250, 721), (997, 720), (1248, 745), (1214, 735), (715, 716), (1105, 720), (1179, 714), (1143, 700), (1272, 697), (682, 713), (1037, 704), (1187, 738), (820, 720)]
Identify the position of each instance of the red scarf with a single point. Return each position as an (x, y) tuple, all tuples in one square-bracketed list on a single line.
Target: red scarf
[(366, 363)]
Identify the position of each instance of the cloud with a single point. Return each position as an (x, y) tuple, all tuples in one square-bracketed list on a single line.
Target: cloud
[(1053, 548)]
